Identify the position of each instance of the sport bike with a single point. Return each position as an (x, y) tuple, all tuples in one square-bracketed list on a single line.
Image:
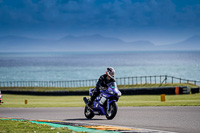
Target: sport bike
[(105, 103)]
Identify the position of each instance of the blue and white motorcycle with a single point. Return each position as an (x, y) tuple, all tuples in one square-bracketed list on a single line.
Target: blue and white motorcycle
[(105, 103)]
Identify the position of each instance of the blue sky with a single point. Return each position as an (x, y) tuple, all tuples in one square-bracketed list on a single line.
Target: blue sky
[(159, 21)]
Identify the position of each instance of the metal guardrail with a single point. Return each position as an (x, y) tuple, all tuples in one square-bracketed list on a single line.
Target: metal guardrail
[(157, 79)]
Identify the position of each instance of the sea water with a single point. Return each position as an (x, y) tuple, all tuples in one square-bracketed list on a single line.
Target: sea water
[(63, 66)]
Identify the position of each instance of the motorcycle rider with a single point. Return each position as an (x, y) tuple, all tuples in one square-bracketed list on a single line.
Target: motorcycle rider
[(102, 83)]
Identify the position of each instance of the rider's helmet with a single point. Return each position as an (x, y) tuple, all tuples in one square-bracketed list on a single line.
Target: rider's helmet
[(110, 72)]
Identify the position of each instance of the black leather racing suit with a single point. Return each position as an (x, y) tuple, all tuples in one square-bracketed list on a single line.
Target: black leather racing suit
[(102, 82)]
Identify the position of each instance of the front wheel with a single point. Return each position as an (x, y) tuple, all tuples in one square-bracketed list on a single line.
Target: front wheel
[(89, 114), (110, 114)]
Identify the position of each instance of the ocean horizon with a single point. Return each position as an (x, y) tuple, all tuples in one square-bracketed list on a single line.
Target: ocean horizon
[(64, 66)]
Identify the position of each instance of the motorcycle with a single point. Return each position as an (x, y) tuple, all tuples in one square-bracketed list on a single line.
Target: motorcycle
[(105, 103), (0, 98)]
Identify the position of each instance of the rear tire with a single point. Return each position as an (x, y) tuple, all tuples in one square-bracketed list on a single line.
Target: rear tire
[(110, 114), (89, 114)]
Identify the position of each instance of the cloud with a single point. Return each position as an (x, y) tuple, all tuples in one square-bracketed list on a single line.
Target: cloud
[(96, 15), (190, 16)]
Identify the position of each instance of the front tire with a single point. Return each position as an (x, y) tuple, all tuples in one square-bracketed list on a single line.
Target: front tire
[(110, 114), (89, 114)]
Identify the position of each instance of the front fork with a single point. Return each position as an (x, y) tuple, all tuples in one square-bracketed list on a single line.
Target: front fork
[(108, 105)]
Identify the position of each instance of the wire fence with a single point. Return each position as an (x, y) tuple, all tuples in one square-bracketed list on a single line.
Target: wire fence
[(157, 79)]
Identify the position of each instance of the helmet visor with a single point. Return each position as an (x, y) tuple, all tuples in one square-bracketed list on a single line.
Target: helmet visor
[(112, 74)]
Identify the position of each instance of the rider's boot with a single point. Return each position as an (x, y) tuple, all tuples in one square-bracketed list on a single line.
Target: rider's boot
[(91, 100), (90, 103), (94, 95)]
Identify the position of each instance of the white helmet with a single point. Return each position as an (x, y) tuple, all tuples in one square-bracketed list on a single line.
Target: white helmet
[(110, 72)]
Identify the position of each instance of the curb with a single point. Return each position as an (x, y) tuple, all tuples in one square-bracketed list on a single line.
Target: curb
[(77, 127)]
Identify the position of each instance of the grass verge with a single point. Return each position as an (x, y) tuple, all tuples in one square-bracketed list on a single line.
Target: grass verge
[(76, 101), (9, 126), (43, 89)]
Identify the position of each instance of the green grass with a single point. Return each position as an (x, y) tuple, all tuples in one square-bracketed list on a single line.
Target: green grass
[(157, 85), (43, 89), (9, 126), (76, 101), (41, 101), (155, 100)]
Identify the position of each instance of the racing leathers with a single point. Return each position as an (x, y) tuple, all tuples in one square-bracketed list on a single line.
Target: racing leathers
[(102, 83)]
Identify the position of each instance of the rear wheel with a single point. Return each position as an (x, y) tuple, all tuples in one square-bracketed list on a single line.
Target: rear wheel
[(89, 114), (110, 114)]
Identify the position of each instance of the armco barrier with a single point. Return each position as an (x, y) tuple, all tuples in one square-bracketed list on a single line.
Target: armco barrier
[(155, 91), (133, 91), (194, 90)]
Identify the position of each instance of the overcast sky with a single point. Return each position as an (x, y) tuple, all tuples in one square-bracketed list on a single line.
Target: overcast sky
[(159, 21)]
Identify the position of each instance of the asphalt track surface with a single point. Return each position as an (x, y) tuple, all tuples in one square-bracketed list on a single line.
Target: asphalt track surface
[(172, 119)]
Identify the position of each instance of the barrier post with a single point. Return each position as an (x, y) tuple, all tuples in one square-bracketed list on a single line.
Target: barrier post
[(26, 101), (162, 96), (177, 90)]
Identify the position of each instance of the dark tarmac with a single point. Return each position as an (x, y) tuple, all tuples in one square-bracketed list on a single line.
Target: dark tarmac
[(173, 119)]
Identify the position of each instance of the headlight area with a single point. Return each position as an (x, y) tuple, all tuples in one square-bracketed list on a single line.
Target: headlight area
[(119, 94)]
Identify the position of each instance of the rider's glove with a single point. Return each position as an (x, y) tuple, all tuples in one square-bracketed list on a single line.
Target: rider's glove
[(102, 88)]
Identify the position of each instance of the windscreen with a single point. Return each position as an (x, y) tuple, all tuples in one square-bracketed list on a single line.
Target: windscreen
[(112, 85)]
